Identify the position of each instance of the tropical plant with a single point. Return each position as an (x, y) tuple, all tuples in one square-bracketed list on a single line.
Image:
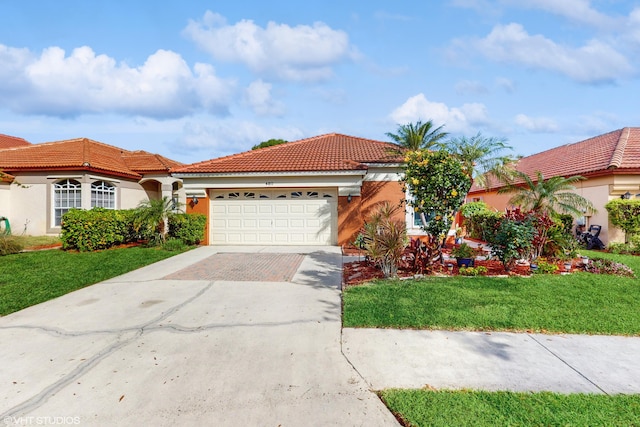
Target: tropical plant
[(483, 158), (511, 240), (626, 215), (437, 182), (385, 237), (418, 135), (551, 196), (150, 219), (463, 251)]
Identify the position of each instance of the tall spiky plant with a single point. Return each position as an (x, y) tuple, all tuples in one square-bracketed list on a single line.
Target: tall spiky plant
[(551, 196)]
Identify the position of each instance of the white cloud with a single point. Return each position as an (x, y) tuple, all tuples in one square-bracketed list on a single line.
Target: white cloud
[(229, 136), (455, 119), (61, 85), (575, 10), (300, 53), (258, 97), (594, 62), (536, 124)]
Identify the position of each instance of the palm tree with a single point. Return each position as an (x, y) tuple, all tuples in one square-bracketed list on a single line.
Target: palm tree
[(551, 196), (482, 158), (418, 135), (150, 219)]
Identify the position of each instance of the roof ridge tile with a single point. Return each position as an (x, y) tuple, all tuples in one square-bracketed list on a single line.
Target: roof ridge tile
[(618, 152)]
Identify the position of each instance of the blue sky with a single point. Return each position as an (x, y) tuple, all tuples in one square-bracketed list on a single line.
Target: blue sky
[(199, 79)]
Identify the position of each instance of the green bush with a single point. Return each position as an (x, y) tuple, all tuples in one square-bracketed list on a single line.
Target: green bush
[(625, 214), (189, 228), (481, 223), (9, 245), (510, 240), (545, 267), (174, 245), (95, 229), (469, 211), (473, 271)]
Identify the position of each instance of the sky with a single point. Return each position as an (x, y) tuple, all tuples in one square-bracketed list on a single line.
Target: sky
[(195, 80)]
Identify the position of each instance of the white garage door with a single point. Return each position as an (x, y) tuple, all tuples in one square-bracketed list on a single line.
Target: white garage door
[(278, 216)]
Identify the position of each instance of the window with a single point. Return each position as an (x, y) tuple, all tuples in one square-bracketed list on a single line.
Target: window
[(103, 195), (66, 195)]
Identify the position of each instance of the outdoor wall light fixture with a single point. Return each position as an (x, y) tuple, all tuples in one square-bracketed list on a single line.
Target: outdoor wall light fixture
[(194, 200), (349, 198)]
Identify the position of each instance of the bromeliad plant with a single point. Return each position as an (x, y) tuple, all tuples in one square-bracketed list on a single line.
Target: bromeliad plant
[(437, 182)]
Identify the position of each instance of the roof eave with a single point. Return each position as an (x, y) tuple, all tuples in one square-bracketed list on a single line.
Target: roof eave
[(284, 173)]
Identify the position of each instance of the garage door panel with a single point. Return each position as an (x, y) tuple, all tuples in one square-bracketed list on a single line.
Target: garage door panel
[(264, 223), (281, 208), (296, 218)]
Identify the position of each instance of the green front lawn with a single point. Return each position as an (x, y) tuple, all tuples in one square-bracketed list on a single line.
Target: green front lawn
[(577, 303), (480, 408), (30, 278)]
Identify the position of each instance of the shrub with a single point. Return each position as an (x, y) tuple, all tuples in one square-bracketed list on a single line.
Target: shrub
[(482, 222), (545, 267), (9, 245), (607, 266), (174, 245), (625, 214), (473, 271), (189, 228), (511, 240), (621, 248), (95, 229)]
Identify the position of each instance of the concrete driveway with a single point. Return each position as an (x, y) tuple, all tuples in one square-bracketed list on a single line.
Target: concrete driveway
[(175, 343)]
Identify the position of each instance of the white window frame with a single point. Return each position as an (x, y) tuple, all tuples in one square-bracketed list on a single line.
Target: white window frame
[(103, 195), (71, 189)]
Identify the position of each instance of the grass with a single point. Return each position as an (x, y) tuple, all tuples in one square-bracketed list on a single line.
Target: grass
[(479, 408), (30, 278), (577, 303)]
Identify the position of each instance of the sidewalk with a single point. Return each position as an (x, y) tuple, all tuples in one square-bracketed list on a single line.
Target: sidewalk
[(388, 358)]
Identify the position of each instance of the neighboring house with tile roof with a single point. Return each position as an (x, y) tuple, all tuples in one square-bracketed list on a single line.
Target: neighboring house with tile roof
[(313, 191), (7, 141), (610, 162), (43, 181)]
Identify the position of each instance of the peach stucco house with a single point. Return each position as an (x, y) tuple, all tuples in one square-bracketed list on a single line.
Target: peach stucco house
[(40, 182), (610, 162), (315, 191)]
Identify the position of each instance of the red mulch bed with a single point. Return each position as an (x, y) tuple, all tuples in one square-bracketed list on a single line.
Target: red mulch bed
[(358, 272)]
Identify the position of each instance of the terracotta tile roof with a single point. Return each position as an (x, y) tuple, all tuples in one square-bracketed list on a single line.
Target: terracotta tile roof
[(7, 141), (614, 151), (330, 152), (83, 154)]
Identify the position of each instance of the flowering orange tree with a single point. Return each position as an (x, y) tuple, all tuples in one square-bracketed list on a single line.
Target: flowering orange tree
[(438, 183)]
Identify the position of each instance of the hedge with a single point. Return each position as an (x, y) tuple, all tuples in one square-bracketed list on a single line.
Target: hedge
[(187, 227), (97, 228)]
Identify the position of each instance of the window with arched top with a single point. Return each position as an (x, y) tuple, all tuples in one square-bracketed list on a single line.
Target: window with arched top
[(67, 195), (103, 195)]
